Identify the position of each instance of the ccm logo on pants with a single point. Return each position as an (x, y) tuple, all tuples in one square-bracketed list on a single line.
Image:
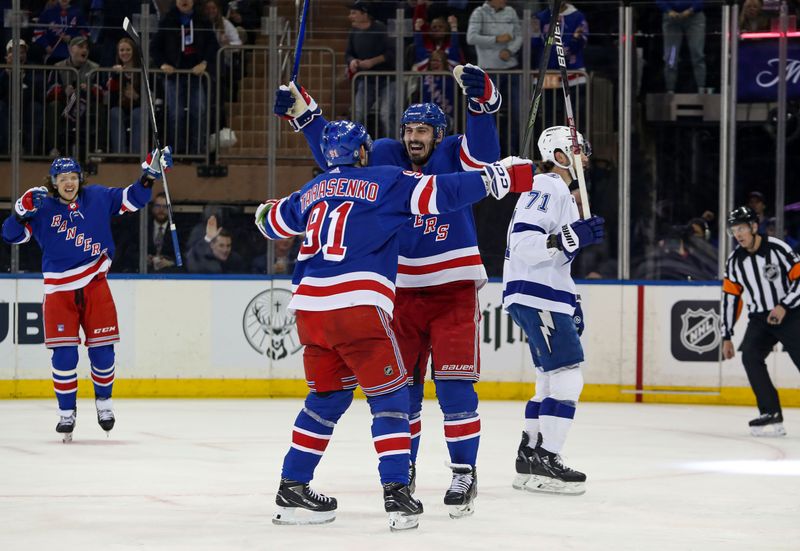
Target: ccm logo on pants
[(104, 330)]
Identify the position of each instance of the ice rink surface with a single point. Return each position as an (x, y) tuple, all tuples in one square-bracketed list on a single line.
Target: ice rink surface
[(201, 475)]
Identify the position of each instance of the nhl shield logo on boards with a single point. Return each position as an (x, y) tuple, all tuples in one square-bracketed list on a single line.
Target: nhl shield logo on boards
[(695, 331), (269, 326)]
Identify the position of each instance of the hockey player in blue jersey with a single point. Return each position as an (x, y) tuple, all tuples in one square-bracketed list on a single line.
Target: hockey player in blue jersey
[(544, 236), (440, 268), (71, 221), (343, 300)]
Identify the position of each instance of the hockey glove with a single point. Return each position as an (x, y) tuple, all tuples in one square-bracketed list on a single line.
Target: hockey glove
[(30, 202), (261, 215), (156, 162), (478, 87), (577, 319), (296, 106), (580, 234), (512, 174)]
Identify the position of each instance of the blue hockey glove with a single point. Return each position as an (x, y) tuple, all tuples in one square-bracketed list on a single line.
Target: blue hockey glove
[(478, 87), (156, 162), (30, 202), (296, 106), (580, 234), (577, 318)]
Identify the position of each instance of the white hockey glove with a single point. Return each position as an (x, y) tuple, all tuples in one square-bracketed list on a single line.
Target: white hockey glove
[(261, 215), (296, 106), (512, 174), (479, 88), (30, 201)]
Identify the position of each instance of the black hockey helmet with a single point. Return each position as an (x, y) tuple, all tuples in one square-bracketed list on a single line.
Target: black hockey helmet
[(742, 215)]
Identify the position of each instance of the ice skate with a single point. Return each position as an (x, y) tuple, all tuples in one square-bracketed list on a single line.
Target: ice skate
[(526, 458), (550, 476), (403, 508), (460, 498), (105, 414), (299, 504), (768, 424), (412, 478), (66, 424)]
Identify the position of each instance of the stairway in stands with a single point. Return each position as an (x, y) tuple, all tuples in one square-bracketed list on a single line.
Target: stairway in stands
[(248, 114)]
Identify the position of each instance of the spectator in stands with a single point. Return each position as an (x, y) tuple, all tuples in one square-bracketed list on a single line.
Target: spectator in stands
[(245, 14), (58, 25), (69, 97), (370, 49), (440, 35), (227, 35), (160, 251), (112, 14), (285, 256), (679, 18), (213, 254), (752, 17), (123, 99), (32, 97), (438, 89), (755, 200), (185, 41), (494, 30)]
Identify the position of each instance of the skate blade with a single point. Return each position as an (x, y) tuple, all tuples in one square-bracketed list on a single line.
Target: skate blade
[(770, 431), (296, 516), (546, 485), (520, 480), (66, 437), (399, 522), (461, 511)]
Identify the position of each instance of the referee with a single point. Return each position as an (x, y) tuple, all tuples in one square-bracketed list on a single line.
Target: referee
[(766, 273)]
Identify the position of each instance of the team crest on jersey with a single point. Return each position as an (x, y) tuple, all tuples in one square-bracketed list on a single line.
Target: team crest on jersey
[(388, 370), (269, 327), (771, 271)]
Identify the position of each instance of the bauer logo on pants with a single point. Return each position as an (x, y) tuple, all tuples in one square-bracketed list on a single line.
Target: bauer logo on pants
[(268, 325), (695, 331)]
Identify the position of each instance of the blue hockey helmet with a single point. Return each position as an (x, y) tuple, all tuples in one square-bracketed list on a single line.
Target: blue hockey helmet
[(341, 142), (426, 113), (64, 165)]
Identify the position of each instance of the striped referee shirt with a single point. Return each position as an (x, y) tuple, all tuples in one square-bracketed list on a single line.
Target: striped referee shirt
[(766, 278)]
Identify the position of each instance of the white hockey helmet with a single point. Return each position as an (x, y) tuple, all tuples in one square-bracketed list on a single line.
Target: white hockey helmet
[(558, 138)]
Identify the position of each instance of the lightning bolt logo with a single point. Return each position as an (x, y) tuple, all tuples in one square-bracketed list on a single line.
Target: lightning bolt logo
[(547, 327)]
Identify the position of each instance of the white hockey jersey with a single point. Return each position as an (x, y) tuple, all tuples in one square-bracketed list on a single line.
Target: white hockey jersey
[(534, 275)]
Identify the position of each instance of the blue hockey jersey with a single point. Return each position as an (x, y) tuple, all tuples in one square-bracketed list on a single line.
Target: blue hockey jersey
[(351, 218), (76, 239), (439, 248)]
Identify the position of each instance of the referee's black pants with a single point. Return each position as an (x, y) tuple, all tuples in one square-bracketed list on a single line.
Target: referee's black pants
[(758, 342)]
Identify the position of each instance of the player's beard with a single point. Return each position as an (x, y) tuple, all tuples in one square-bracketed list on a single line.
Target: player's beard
[(421, 156)]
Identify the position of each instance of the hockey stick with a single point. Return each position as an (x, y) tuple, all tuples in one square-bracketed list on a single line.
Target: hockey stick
[(573, 132), (301, 34), (128, 26), (536, 98)]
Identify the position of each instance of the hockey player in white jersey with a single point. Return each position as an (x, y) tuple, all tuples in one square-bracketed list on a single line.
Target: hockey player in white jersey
[(544, 236)]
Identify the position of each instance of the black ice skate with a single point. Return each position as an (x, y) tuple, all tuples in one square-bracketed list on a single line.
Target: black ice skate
[(526, 459), (105, 414), (412, 477), (66, 424), (460, 498), (551, 476), (299, 504), (768, 424), (403, 508)]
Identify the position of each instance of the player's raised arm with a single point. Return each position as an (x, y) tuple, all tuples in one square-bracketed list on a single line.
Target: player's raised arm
[(16, 228), (138, 194)]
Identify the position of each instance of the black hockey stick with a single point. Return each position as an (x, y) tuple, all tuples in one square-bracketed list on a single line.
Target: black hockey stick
[(573, 132), (536, 98), (128, 26)]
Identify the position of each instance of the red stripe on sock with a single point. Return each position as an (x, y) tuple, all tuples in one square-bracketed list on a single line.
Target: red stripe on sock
[(307, 441), (463, 429), (400, 443)]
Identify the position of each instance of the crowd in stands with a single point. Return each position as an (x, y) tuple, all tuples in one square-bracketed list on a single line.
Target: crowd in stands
[(84, 37)]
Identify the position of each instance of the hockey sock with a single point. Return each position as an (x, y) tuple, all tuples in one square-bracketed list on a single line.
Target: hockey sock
[(532, 420), (390, 434), (462, 424), (65, 376), (102, 360), (312, 431), (414, 420), (558, 409)]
